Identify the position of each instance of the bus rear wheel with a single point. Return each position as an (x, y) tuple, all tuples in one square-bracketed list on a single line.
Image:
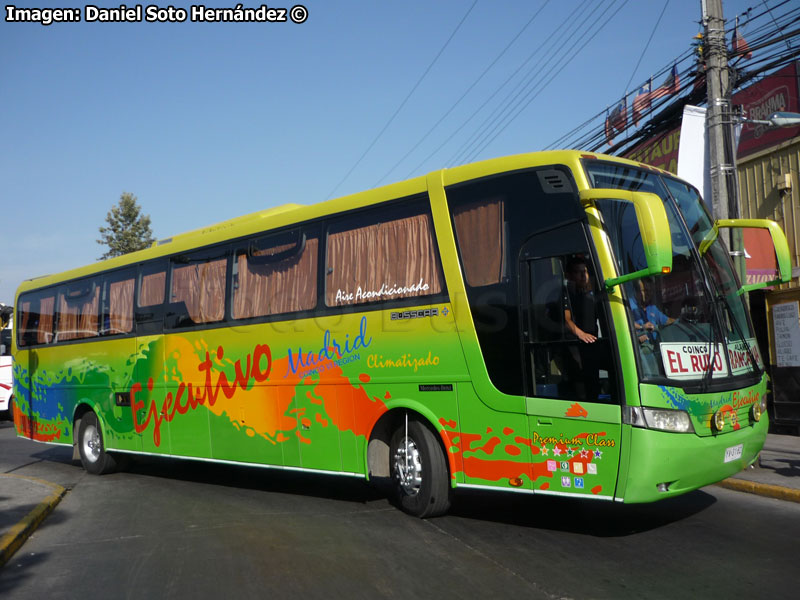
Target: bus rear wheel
[(94, 457), (419, 471)]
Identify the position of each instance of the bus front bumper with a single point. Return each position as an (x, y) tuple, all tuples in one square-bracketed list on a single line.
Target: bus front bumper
[(664, 464)]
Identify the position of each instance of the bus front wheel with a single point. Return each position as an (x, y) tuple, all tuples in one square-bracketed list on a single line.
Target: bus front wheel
[(419, 471), (94, 457)]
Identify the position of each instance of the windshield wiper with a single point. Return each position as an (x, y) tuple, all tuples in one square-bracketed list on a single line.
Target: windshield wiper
[(757, 371), (712, 345)]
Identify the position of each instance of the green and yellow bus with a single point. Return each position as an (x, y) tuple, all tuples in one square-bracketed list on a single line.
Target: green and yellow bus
[(559, 323)]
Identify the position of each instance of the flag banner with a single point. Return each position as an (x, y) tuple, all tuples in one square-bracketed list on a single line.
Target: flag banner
[(617, 121), (739, 44), (671, 85), (641, 102)]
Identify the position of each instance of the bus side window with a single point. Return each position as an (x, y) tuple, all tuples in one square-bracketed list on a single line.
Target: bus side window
[(275, 274), (118, 302), (387, 254), (482, 234), (153, 286), (78, 315), (151, 292), (197, 290), (36, 318)]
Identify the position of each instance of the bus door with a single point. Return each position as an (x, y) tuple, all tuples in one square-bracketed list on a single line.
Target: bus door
[(36, 328), (108, 389), (24, 421), (572, 397), (150, 370)]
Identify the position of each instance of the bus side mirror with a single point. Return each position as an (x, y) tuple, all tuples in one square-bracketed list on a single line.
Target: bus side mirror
[(651, 217), (779, 245)]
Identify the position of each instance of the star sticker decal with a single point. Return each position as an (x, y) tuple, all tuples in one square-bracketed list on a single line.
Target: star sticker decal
[(557, 451), (598, 454)]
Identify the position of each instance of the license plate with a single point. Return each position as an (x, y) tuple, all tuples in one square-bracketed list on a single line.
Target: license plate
[(734, 452)]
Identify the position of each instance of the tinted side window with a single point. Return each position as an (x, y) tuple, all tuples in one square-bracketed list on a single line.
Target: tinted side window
[(388, 253), (152, 285), (35, 318), (78, 315), (197, 289), (483, 239), (118, 302), (275, 274), (492, 219)]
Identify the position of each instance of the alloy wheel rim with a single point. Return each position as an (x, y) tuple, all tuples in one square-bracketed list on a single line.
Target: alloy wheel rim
[(408, 466), (91, 443)]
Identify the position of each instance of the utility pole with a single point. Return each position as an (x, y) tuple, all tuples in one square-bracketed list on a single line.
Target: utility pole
[(719, 126), (718, 115)]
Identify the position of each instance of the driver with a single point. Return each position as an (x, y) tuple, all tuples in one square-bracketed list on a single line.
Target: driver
[(647, 317)]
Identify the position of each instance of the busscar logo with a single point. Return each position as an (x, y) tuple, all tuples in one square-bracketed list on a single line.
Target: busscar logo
[(415, 314)]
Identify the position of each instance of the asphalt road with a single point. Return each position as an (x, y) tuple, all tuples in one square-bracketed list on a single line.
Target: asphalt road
[(174, 529)]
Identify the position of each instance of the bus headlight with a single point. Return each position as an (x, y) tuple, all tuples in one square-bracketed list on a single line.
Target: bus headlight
[(755, 412), (676, 421)]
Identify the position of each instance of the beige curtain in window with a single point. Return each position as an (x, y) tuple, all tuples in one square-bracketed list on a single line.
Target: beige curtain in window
[(78, 319), (68, 317), (152, 290), (120, 306), (23, 324), (385, 261), (44, 333), (201, 286), (271, 289), (481, 239)]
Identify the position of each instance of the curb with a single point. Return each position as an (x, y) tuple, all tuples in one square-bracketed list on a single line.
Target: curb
[(761, 489), (13, 540)]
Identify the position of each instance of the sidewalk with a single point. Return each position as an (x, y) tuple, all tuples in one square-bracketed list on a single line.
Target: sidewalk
[(776, 475), (26, 501), (24, 504)]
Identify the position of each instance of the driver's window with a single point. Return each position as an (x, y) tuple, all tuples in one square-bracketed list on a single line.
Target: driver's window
[(568, 351)]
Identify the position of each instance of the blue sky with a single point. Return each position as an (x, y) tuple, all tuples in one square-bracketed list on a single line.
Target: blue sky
[(208, 121)]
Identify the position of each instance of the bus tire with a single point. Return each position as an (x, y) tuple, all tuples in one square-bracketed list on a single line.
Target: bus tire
[(94, 457), (419, 471)]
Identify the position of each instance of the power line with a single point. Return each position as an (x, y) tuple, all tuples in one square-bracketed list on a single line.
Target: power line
[(762, 41), (497, 91), (530, 77), (466, 92), (769, 10), (403, 103), (532, 96), (646, 46)]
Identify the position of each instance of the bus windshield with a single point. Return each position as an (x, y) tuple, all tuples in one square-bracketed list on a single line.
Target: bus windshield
[(690, 325)]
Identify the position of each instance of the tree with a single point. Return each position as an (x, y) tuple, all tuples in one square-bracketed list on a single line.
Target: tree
[(128, 229)]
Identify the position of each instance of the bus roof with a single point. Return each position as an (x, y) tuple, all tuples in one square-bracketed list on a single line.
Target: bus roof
[(288, 214)]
